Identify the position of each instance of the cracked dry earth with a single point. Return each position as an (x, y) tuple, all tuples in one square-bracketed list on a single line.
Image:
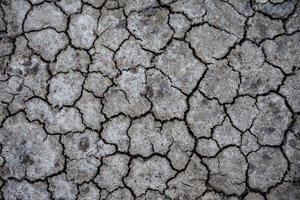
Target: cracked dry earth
[(150, 99)]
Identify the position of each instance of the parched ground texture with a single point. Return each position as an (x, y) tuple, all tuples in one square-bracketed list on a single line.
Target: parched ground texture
[(150, 99)]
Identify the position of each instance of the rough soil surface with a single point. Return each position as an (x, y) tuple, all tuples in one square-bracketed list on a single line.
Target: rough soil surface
[(150, 99)]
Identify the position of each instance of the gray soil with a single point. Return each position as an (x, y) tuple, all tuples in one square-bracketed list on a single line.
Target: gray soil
[(150, 99)]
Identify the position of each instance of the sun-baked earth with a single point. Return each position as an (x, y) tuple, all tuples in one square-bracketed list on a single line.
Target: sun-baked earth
[(150, 99)]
